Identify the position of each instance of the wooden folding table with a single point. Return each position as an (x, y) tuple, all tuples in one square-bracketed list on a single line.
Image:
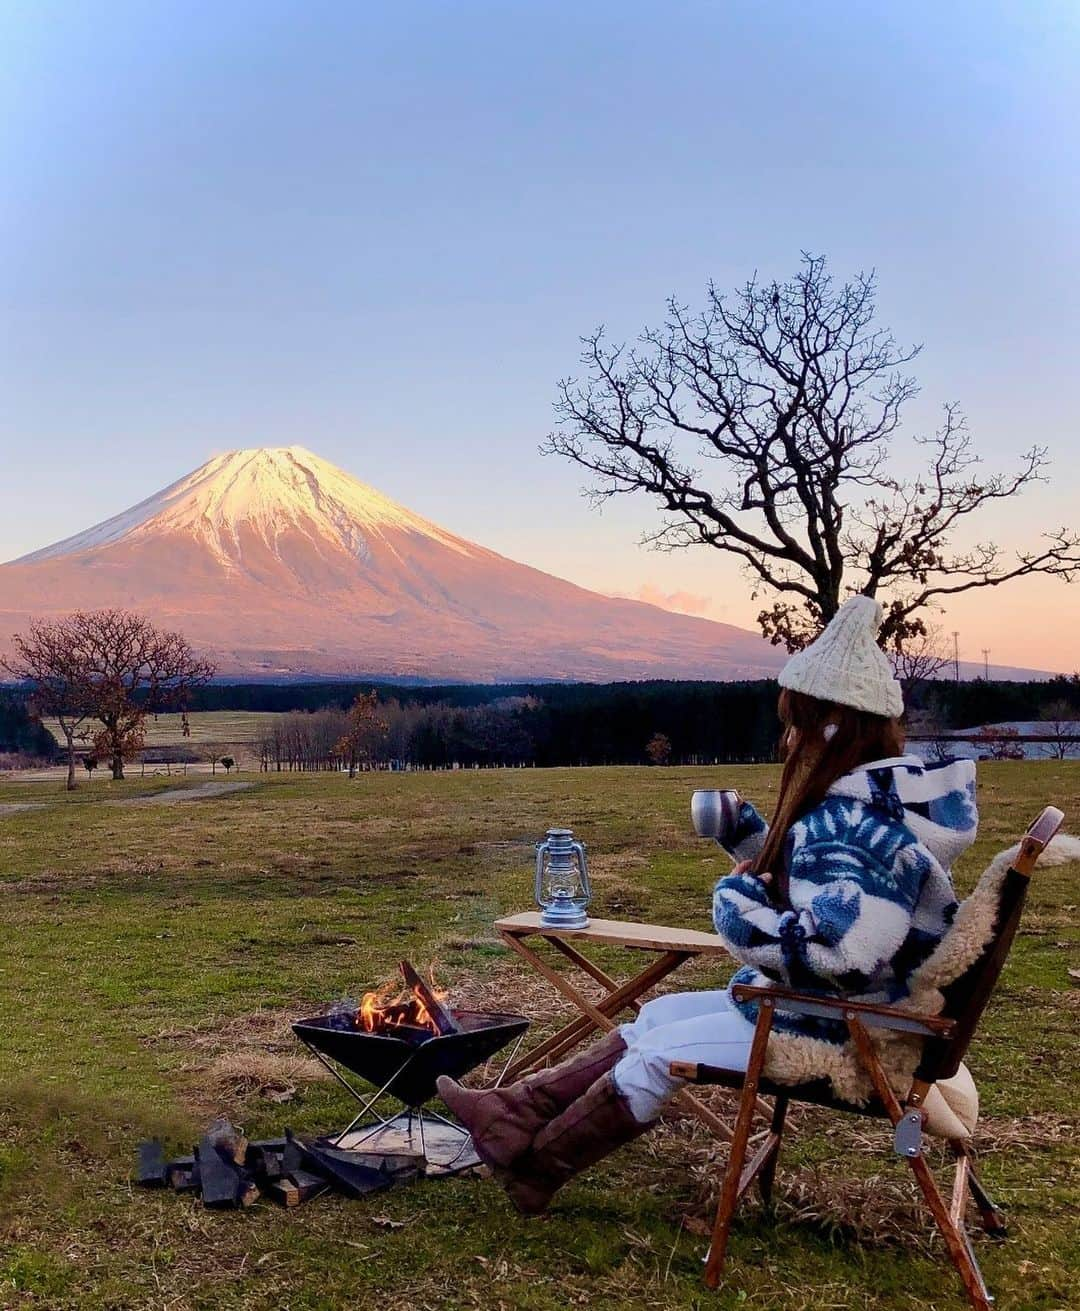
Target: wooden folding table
[(671, 947)]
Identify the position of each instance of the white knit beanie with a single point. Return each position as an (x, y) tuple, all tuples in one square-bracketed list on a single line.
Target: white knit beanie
[(846, 665)]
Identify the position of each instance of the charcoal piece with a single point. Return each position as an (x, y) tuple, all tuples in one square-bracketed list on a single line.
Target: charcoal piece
[(182, 1174), (308, 1185), (342, 1014), (267, 1145), (284, 1192), (229, 1140), (219, 1176), (151, 1168), (264, 1159), (292, 1157)]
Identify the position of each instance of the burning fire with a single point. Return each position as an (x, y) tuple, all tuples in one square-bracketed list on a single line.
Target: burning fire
[(391, 1006)]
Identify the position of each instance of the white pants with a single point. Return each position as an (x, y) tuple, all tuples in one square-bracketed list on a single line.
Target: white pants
[(702, 1027)]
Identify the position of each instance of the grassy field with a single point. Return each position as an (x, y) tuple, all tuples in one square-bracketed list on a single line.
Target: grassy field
[(207, 726), (153, 955)]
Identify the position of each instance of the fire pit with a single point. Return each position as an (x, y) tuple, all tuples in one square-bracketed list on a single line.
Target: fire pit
[(401, 1047)]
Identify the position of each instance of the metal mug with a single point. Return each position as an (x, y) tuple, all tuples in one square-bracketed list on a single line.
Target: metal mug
[(715, 812)]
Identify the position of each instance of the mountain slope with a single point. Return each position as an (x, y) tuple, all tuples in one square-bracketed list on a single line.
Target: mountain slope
[(279, 562)]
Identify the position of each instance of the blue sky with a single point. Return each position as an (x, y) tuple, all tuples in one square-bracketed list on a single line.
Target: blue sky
[(378, 230)]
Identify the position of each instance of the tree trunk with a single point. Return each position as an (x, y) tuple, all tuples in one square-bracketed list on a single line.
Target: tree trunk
[(117, 766), (71, 784)]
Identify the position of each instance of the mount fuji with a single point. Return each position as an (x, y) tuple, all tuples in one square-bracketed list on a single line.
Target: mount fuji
[(281, 564)]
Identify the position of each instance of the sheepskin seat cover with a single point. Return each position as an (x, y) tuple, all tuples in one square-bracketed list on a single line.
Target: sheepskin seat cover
[(952, 1108)]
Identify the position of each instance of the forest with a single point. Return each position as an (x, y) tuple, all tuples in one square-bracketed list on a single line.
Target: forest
[(552, 723), (585, 723)]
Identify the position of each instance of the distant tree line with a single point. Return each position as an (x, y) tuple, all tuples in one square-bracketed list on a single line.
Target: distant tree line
[(658, 722), (971, 704), (585, 723), (580, 724)]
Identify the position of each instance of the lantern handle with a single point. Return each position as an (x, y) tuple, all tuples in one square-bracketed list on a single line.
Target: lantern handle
[(579, 848), (541, 847)]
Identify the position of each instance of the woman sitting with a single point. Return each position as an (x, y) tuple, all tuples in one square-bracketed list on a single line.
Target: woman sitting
[(846, 892)]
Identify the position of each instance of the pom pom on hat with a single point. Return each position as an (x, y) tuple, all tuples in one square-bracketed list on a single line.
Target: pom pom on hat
[(846, 665)]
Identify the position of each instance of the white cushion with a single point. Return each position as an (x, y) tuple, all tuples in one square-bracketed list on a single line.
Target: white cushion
[(952, 1107)]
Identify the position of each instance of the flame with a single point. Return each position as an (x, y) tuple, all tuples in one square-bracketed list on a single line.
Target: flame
[(390, 1006)]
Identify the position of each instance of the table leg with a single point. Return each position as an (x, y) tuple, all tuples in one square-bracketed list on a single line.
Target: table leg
[(595, 1017)]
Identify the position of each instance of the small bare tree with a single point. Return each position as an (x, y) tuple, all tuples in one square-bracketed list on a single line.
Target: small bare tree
[(763, 426), (919, 659), (925, 724), (49, 660), (1061, 723), (999, 743)]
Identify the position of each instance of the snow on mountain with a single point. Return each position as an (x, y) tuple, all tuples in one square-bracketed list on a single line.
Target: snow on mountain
[(270, 490), (280, 563)]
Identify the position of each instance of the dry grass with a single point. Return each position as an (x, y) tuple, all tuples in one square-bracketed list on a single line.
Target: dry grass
[(228, 1063)]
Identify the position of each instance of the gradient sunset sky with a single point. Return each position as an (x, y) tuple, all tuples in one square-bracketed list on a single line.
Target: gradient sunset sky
[(378, 229)]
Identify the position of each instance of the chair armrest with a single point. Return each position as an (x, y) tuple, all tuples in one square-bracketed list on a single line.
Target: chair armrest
[(872, 1014), (1035, 840)]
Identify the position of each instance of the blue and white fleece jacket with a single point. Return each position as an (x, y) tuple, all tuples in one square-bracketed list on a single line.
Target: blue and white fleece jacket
[(870, 888)]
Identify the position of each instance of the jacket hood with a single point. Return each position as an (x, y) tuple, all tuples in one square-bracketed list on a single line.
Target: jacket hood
[(935, 801)]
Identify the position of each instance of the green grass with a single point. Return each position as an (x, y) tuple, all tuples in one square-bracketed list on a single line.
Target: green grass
[(147, 947), (222, 727)]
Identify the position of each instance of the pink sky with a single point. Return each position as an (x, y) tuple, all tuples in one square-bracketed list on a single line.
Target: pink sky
[(381, 234)]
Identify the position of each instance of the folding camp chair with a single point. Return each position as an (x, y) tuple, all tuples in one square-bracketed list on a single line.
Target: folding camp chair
[(946, 1039)]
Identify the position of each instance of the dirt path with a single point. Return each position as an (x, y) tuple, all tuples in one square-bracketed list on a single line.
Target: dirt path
[(173, 796), (13, 807)]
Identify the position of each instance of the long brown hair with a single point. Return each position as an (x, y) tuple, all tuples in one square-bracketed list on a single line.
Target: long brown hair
[(814, 761)]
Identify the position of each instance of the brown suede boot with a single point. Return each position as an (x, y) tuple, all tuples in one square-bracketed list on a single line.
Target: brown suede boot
[(587, 1131), (504, 1121)]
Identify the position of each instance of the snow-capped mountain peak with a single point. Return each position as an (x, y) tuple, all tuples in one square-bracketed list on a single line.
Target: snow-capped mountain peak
[(261, 491)]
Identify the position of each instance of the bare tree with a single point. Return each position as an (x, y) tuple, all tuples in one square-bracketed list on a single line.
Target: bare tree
[(920, 658), (999, 742), (1061, 723), (118, 668), (763, 426), (926, 724), (48, 658)]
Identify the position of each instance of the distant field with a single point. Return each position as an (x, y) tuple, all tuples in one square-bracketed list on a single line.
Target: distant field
[(207, 726)]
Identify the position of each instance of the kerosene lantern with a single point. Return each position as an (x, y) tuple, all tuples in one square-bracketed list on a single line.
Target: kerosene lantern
[(562, 880)]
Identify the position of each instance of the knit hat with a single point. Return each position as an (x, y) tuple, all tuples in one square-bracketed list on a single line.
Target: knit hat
[(846, 665)]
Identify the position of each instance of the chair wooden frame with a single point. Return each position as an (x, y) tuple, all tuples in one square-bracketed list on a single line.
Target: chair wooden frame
[(947, 1036)]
